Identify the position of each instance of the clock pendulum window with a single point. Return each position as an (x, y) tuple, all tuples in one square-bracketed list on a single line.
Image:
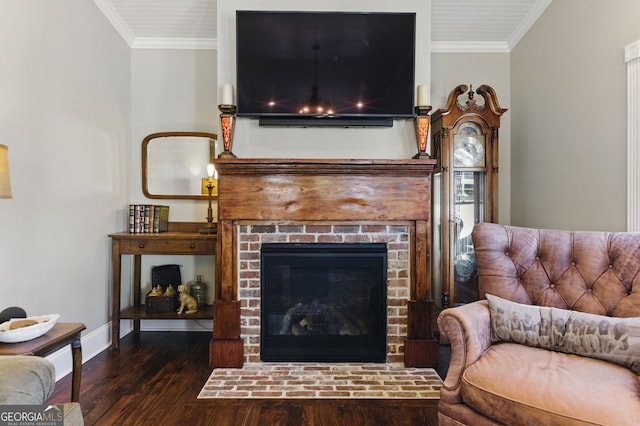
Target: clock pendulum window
[(464, 141)]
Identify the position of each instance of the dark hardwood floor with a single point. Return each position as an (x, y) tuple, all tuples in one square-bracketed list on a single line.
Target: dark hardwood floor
[(155, 377)]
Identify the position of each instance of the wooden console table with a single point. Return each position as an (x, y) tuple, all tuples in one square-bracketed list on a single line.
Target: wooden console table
[(182, 238), (62, 334)]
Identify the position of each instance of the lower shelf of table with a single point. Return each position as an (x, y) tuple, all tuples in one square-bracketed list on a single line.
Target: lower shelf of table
[(140, 312)]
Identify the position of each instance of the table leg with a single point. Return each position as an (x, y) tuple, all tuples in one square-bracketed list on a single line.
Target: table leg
[(76, 375), (137, 262), (116, 263)]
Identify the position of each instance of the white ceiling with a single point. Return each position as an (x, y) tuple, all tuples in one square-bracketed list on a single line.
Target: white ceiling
[(457, 25)]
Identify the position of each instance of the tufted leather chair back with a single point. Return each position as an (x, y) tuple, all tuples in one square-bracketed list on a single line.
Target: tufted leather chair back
[(587, 271)]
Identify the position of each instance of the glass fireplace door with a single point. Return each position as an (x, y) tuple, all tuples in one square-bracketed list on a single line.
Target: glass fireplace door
[(323, 302)]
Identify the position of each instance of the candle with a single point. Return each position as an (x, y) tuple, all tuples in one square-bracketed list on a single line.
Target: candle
[(423, 95), (227, 94), (211, 171)]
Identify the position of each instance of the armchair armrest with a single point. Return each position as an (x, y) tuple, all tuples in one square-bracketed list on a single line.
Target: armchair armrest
[(468, 329)]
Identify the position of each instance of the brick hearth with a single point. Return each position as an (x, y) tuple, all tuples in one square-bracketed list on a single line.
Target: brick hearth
[(251, 237), (310, 380)]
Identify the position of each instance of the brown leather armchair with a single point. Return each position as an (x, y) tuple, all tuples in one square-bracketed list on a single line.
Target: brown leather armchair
[(507, 383)]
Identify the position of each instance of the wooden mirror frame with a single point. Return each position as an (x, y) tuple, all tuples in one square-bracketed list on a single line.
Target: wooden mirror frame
[(145, 178)]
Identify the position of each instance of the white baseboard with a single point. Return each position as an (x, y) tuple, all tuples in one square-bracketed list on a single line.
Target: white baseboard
[(100, 339), (92, 344)]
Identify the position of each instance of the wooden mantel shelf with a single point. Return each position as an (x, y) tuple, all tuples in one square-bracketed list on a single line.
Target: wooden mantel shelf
[(320, 190), (325, 166)]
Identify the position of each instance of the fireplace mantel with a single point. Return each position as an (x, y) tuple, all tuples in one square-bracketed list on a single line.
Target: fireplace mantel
[(320, 191)]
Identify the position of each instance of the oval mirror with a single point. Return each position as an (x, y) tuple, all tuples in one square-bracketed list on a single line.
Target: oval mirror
[(174, 164)]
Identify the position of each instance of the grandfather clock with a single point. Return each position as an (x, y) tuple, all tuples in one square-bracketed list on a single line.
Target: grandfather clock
[(464, 141)]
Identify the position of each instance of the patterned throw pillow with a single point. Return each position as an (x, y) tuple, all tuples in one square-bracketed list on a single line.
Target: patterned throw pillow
[(608, 338)]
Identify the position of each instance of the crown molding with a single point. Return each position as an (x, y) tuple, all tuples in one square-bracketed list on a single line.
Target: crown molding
[(525, 25), (174, 43), (151, 42), (495, 47), (125, 32), (469, 47), (114, 18)]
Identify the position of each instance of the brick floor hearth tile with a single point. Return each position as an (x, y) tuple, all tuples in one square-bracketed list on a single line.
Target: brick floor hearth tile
[(311, 380)]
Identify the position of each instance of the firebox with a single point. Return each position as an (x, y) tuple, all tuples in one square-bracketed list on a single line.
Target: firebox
[(323, 302)]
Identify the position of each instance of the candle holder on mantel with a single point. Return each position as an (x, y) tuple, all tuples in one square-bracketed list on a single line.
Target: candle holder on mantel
[(421, 120), (227, 123)]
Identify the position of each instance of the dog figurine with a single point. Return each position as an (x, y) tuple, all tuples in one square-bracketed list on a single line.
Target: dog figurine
[(186, 301)]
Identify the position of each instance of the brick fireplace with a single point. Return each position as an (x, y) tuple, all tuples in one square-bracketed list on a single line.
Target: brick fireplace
[(252, 236), (343, 201)]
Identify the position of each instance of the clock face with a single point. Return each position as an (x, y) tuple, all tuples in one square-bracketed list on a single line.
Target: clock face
[(468, 146)]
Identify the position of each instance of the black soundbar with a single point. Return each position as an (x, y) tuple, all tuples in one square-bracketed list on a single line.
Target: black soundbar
[(325, 121)]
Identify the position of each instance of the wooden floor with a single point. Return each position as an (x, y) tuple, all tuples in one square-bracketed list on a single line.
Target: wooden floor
[(155, 377)]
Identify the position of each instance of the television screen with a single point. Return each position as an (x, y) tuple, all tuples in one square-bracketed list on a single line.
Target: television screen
[(315, 65)]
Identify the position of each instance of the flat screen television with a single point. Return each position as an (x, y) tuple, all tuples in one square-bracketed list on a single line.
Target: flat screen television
[(325, 68)]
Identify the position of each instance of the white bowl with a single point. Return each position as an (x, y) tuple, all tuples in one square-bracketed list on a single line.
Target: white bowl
[(45, 323)]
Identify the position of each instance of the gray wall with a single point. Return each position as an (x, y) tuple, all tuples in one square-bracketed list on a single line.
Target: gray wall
[(568, 99), (65, 115)]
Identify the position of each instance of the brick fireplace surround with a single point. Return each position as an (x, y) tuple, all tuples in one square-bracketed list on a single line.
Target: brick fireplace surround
[(284, 200), (251, 238)]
